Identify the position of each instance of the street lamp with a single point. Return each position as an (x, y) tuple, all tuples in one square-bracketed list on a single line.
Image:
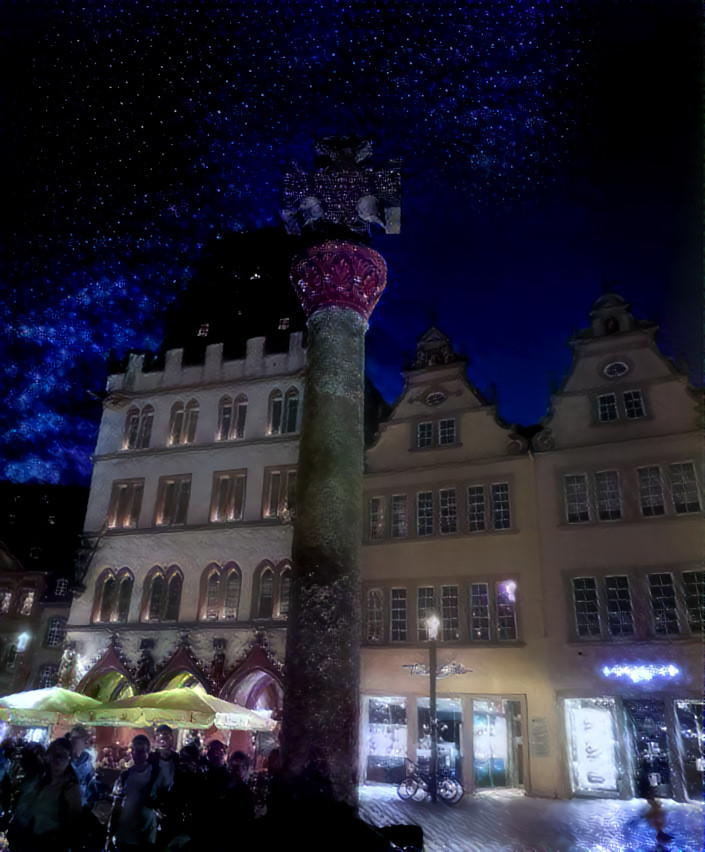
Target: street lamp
[(433, 622)]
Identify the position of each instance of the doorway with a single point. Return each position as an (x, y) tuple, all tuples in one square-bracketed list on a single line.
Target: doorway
[(497, 743)]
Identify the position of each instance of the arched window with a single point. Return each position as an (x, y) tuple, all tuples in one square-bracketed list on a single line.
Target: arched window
[(291, 410), (157, 598), (233, 583), (240, 417), (213, 596), (225, 418), (108, 599), (138, 428), (132, 425), (274, 423), (265, 604), (176, 423), (56, 630), (284, 592), (144, 436), (174, 597), (124, 598), (191, 420)]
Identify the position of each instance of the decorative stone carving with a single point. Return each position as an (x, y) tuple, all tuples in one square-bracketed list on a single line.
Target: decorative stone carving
[(517, 443), (145, 666), (544, 440), (339, 273)]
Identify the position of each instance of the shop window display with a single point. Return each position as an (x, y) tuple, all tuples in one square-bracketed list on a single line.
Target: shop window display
[(450, 718), (497, 743), (591, 725), (691, 730), (386, 740)]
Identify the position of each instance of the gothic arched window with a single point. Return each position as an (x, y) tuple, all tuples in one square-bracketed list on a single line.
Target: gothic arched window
[(276, 402), (157, 598), (225, 418), (265, 604), (108, 599), (173, 603), (213, 596), (132, 425), (124, 598), (233, 584), (291, 410), (144, 436), (284, 592)]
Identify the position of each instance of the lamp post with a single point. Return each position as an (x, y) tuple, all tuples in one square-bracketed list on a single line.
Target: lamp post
[(433, 622)]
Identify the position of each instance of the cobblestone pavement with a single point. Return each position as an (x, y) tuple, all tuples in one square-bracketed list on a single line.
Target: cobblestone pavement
[(508, 821)]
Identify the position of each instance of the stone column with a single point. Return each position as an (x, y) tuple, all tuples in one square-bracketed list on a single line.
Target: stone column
[(339, 284)]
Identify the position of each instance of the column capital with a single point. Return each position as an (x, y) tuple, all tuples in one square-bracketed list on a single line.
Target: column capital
[(340, 273)]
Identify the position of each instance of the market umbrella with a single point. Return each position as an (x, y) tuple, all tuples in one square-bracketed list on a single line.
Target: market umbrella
[(45, 706), (183, 707)]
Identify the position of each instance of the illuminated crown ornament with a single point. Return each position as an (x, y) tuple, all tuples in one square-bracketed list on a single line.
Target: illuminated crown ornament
[(339, 273)]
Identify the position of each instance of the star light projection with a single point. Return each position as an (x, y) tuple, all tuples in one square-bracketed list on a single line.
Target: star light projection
[(141, 131)]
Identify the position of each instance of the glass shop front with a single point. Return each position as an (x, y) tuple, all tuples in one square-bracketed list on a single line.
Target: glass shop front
[(616, 744)]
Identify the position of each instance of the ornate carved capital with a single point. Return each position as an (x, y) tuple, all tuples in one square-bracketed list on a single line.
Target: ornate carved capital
[(339, 273)]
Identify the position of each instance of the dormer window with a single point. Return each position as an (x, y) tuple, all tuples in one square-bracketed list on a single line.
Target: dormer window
[(440, 433)]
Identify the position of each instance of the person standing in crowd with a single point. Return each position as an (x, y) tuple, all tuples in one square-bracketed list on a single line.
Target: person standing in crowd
[(81, 761), (185, 802), (216, 775), (237, 802), (49, 806), (133, 822), (165, 755)]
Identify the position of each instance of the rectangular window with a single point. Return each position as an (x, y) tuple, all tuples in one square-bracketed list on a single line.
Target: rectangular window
[(279, 493), (425, 605), (398, 603), (424, 513), (694, 593), (577, 506), (25, 602), (607, 495), (476, 508), (48, 676), (587, 613), (447, 510), (634, 404), (684, 488), (375, 615), (505, 602), (620, 621), (424, 435), (376, 517), (450, 613), (228, 497), (479, 611), (650, 491), (172, 500), (400, 523), (501, 519), (607, 407), (446, 431), (5, 600), (125, 503), (663, 604)]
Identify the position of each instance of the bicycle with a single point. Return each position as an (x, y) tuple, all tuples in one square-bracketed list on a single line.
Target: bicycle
[(417, 786)]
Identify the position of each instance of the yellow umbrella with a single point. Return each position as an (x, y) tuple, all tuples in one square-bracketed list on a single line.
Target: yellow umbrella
[(183, 707), (45, 706)]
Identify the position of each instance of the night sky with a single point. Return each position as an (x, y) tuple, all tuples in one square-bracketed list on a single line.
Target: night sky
[(550, 150)]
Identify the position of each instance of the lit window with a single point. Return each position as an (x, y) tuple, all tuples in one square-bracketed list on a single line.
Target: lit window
[(446, 431), (505, 602), (291, 411), (56, 630), (231, 418), (424, 435), (501, 519), (398, 609), (233, 584), (124, 598), (620, 621), (450, 612), (650, 491), (25, 601), (213, 597), (5, 600), (376, 517), (276, 405), (173, 600), (144, 434), (225, 418), (375, 615), (132, 425), (157, 598), (107, 598), (587, 612), (125, 503), (172, 500), (634, 404), (228, 496), (284, 592), (447, 510), (182, 426), (607, 495), (424, 513), (476, 508), (684, 488), (279, 493), (607, 407), (576, 498), (400, 522), (479, 611), (694, 594), (663, 604), (425, 606)]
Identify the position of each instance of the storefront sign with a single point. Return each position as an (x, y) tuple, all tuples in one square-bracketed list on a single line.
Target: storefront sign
[(442, 671), (642, 673), (538, 737)]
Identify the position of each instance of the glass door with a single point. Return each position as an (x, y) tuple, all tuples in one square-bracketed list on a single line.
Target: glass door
[(591, 726), (497, 743), (647, 722), (689, 715), (450, 722)]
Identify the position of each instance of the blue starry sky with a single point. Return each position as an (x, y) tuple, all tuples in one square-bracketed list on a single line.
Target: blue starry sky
[(550, 150)]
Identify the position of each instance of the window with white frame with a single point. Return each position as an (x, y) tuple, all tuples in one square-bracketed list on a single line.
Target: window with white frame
[(651, 497), (684, 487), (664, 608), (173, 495), (446, 431), (138, 428), (480, 611), (501, 517), (607, 497), (400, 517), (618, 603), (424, 513), (586, 607), (493, 611), (447, 510), (125, 503), (450, 613), (694, 598), (424, 435), (56, 630), (231, 418), (228, 498), (183, 422), (505, 604), (606, 407), (375, 616), (376, 517), (279, 493), (477, 521), (577, 504), (633, 404), (425, 606), (432, 433), (398, 615)]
